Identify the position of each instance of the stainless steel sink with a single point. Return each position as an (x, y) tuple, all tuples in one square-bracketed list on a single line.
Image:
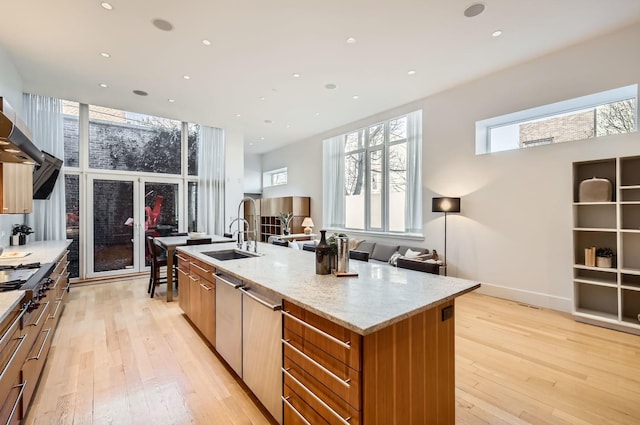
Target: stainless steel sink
[(230, 254)]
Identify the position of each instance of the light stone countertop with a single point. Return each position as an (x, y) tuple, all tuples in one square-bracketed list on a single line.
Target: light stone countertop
[(8, 301), (380, 296), (40, 251)]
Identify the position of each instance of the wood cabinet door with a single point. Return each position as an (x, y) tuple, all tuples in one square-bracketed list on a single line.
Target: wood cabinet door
[(184, 300), (208, 311), (17, 188), (194, 300)]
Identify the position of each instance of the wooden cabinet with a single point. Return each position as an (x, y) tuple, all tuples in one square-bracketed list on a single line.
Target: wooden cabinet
[(403, 373), (196, 283), (16, 181), (270, 209), (608, 296)]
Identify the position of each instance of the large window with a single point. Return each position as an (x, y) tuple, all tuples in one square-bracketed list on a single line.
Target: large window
[(377, 187), (600, 114)]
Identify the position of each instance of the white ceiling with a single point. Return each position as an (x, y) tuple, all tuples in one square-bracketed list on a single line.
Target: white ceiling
[(258, 45)]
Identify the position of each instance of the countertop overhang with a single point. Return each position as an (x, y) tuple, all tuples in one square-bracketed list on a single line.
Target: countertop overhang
[(381, 295)]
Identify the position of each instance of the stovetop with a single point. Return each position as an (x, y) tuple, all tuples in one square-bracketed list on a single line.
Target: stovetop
[(23, 276)]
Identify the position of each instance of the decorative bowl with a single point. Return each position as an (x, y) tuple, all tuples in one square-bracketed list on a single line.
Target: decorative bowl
[(196, 235)]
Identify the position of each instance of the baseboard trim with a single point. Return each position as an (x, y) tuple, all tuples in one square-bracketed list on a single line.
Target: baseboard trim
[(529, 297)]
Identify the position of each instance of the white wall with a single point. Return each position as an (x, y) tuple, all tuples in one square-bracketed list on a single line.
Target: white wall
[(234, 171), (10, 89), (514, 232), (252, 173)]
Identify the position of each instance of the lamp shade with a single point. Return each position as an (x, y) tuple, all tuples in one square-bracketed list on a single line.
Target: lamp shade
[(307, 223), (446, 205)]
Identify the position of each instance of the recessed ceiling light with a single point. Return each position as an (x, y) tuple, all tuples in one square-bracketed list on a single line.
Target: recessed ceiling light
[(186, 77), (351, 40), (262, 138), (103, 85), (106, 5), (317, 114), (162, 25), (474, 10), (330, 86), (140, 92), (268, 121), (288, 125), (105, 55), (206, 42), (262, 98), (237, 115), (296, 75), (355, 97), (496, 33), (411, 72), (171, 100)]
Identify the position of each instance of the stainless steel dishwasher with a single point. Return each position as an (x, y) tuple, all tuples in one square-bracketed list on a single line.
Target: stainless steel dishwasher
[(229, 320), (262, 347)]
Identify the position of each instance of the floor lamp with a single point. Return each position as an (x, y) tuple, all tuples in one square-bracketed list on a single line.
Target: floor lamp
[(445, 205)]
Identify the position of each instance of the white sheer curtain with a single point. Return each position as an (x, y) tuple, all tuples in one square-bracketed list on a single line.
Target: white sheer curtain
[(413, 199), (211, 175), (43, 116), (333, 198)]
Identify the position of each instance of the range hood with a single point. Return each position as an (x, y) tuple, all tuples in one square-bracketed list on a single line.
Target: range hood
[(15, 138)]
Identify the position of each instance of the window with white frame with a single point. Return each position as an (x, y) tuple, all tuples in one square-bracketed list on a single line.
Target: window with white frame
[(600, 114), (275, 177), (372, 177)]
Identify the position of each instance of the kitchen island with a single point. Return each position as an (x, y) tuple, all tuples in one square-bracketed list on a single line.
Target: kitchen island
[(373, 349)]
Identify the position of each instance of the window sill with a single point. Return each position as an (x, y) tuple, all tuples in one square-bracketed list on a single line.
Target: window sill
[(393, 235)]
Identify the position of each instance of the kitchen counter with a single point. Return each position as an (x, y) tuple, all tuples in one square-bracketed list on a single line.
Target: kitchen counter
[(380, 296), (40, 251), (8, 301)]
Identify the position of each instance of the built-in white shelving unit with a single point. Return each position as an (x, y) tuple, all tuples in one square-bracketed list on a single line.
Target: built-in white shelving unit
[(608, 297)]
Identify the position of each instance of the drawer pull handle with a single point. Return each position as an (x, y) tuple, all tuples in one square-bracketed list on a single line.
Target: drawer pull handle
[(15, 405), (345, 421), (198, 267), (180, 257), (273, 307), (44, 310), (37, 357), (55, 313), (193, 278), (234, 285), (344, 382), (13, 356), (15, 323), (346, 345), (183, 272), (205, 287), (302, 418)]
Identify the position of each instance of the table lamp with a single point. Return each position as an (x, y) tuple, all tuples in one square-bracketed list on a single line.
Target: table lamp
[(307, 223), (445, 205)]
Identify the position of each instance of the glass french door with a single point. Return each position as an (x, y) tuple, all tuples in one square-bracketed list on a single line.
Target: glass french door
[(123, 210)]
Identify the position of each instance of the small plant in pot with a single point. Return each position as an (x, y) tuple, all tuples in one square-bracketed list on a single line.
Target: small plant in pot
[(19, 234), (285, 220), (604, 257)]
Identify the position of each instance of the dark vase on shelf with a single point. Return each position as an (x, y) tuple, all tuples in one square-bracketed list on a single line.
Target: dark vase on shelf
[(23, 239), (323, 255)]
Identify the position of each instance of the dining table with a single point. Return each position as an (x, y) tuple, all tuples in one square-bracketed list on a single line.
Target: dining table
[(170, 243)]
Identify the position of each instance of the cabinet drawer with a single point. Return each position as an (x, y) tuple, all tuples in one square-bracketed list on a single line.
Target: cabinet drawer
[(327, 336), (34, 363), (334, 377), (10, 412), (204, 270), (327, 404), (297, 412), (184, 261)]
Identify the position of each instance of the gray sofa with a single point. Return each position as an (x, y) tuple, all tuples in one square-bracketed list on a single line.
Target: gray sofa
[(382, 253)]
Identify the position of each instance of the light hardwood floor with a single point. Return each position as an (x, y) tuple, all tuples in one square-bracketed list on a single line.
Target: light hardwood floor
[(119, 357)]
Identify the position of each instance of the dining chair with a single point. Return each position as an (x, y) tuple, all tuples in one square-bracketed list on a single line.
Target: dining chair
[(280, 242), (158, 260)]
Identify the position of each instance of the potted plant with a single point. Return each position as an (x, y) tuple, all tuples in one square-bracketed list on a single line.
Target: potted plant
[(331, 240), (604, 257), (19, 234), (285, 220)]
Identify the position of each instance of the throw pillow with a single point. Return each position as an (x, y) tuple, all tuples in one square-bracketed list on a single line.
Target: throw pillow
[(393, 260), (411, 253), (353, 244)]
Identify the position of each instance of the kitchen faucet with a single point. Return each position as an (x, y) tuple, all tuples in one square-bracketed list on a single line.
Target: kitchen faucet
[(238, 219), (255, 223)]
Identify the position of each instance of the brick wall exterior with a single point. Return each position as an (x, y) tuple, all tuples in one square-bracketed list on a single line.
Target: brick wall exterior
[(561, 129)]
